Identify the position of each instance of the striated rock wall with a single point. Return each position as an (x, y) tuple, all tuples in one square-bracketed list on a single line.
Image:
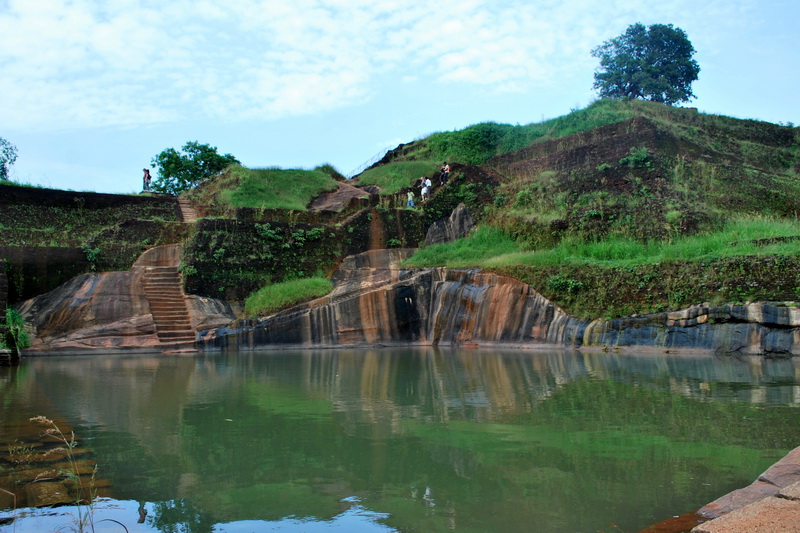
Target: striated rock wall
[(91, 311), (376, 302)]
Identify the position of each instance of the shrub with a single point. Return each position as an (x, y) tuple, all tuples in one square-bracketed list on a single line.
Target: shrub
[(16, 338)]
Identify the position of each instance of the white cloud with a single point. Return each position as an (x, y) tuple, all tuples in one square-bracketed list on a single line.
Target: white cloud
[(84, 63)]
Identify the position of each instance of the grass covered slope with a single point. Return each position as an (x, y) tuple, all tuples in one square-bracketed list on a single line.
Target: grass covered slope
[(631, 169), (631, 207), (262, 188), (748, 259)]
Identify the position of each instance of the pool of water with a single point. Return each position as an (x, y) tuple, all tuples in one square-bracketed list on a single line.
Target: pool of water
[(402, 439)]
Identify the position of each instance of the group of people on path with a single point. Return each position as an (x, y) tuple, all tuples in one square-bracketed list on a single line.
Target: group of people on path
[(426, 185)]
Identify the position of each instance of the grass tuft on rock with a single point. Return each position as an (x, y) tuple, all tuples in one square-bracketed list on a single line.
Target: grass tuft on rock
[(272, 298)]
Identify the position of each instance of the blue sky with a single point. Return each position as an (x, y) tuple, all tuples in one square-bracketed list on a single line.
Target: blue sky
[(92, 90)]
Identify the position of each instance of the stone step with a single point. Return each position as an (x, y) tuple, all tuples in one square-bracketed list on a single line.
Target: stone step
[(155, 293), (176, 334), (163, 278), (168, 308), (175, 331), (173, 325), (172, 319), (171, 312), (163, 288)]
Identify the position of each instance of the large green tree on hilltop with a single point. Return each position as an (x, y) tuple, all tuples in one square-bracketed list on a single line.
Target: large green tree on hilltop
[(653, 63), (8, 154), (178, 171)]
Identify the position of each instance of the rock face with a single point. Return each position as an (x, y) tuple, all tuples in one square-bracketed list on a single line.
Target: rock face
[(376, 302), (457, 225), (111, 310)]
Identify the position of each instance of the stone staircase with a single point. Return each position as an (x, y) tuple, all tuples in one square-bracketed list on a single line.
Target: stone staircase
[(162, 286), (161, 282), (186, 211)]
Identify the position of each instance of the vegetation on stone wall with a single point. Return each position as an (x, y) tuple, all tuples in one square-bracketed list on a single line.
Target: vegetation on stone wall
[(612, 292), (230, 259), (749, 259), (49, 236)]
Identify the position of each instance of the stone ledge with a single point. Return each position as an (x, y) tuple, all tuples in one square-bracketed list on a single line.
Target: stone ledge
[(770, 515)]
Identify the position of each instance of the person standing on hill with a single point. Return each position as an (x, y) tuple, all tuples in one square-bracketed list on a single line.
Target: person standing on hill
[(410, 196), (146, 179), (444, 175)]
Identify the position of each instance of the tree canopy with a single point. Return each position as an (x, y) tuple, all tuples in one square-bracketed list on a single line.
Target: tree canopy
[(653, 63), (8, 154), (178, 171)]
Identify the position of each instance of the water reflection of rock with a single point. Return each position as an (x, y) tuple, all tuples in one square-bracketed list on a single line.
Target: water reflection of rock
[(451, 384), (339, 419)]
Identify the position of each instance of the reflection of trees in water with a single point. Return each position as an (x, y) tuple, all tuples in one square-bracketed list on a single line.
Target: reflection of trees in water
[(180, 516)]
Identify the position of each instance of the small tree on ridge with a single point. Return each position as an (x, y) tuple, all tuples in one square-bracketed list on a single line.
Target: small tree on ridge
[(653, 63), (8, 154), (179, 171)]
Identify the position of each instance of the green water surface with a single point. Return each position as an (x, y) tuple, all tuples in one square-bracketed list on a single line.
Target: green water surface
[(421, 440)]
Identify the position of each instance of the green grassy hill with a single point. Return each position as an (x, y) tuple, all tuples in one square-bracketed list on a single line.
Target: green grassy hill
[(615, 209), (262, 188), (626, 207), (627, 169)]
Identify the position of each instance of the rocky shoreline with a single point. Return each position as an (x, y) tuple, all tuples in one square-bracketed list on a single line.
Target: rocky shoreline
[(770, 504)]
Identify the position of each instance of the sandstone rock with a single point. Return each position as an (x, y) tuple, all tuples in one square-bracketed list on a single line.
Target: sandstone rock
[(792, 492), (770, 515), (457, 225), (784, 473), (207, 313), (7, 501), (111, 310)]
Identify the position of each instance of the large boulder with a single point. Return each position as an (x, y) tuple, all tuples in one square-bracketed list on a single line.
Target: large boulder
[(457, 225)]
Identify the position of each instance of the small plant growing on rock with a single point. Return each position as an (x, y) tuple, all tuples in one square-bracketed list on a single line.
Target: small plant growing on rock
[(91, 255), (16, 337), (638, 158)]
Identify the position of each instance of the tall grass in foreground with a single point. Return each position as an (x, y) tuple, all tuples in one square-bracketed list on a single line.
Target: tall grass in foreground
[(85, 496), (279, 296), (489, 247)]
